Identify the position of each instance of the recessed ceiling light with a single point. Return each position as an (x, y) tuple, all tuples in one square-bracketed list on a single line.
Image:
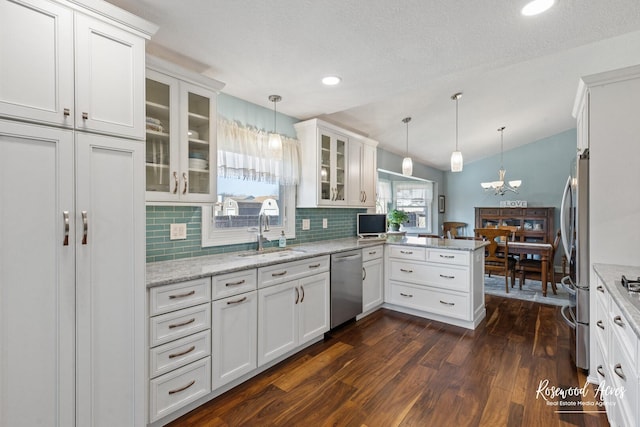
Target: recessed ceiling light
[(331, 80), (536, 6)]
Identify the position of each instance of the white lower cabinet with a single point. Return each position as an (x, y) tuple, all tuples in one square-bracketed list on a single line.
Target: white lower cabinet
[(234, 332), (294, 312), (179, 345), (445, 285), (71, 278), (616, 358), (372, 273)]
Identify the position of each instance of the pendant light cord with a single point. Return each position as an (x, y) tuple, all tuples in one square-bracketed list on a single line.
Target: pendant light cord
[(456, 122), (501, 146)]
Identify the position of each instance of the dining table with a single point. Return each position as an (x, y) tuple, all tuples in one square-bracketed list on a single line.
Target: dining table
[(543, 250)]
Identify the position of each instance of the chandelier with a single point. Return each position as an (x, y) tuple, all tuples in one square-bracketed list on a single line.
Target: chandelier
[(500, 187)]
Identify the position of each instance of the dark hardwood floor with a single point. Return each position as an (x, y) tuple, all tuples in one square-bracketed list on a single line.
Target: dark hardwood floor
[(392, 369)]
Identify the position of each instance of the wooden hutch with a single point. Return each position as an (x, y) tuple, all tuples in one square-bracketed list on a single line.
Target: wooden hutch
[(536, 224)]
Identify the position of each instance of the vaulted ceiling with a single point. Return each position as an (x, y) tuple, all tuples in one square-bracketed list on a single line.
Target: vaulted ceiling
[(404, 58)]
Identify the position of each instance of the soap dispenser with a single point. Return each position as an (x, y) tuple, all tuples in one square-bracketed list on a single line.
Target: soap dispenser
[(283, 240)]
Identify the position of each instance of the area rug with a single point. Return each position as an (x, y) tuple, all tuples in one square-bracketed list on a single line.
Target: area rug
[(531, 291)]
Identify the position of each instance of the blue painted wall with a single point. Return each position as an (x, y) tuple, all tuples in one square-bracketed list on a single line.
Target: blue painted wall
[(543, 166)]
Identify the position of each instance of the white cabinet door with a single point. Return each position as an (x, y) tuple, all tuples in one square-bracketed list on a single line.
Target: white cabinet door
[(369, 175), (36, 65), (277, 321), (362, 174), (356, 197), (37, 284), (110, 291), (197, 140), (313, 307), (234, 330), (110, 66), (371, 284), (181, 140)]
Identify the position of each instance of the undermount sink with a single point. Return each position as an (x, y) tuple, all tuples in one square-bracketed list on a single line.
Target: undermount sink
[(273, 253)]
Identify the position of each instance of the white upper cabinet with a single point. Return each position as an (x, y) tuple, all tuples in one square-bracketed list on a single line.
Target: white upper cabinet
[(335, 173), (36, 67), (362, 173), (44, 44), (109, 79), (181, 134)]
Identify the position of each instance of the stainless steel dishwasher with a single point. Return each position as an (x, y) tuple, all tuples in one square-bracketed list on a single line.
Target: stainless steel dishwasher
[(346, 286)]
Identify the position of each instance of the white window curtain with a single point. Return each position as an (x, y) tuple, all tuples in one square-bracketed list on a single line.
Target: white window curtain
[(244, 153)]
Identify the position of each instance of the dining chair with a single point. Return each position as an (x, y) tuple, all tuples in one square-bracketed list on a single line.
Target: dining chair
[(450, 229), (497, 259), (527, 265)]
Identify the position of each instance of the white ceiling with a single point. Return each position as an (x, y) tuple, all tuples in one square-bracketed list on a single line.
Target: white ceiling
[(401, 58)]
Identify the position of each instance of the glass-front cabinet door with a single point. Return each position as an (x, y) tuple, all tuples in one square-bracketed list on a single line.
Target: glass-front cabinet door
[(158, 133), (333, 153), (198, 146), (180, 140)]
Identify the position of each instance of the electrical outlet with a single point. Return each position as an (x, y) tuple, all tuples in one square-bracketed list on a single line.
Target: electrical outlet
[(178, 231), (325, 224), (306, 224)]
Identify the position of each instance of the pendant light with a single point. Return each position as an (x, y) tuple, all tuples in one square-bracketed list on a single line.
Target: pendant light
[(275, 140), (500, 187), (407, 163), (456, 156)]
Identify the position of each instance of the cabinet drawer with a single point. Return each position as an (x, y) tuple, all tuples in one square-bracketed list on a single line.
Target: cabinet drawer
[(178, 324), (280, 273), (163, 299), (485, 211), (235, 283), (537, 212), (408, 252), (431, 300), (373, 252), (178, 353), (174, 390), (511, 212), (448, 257), (446, 277), (621, 330)]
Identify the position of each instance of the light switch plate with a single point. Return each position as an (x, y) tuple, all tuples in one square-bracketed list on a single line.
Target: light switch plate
[(325, 224), (178, 231), (306, 224)]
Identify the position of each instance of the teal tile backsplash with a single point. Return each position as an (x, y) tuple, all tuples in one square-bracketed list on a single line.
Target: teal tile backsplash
[(341, 223)]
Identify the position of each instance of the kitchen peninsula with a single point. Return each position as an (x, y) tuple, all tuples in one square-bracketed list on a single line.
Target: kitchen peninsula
[(216, 321)]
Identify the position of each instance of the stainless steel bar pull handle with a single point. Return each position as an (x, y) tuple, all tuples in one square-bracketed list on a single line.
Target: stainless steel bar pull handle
[(239, 282), (619, 372), (600, 289), (186, 182), (447, 256), (447, 277), (182, 353), (618, 321), (177, 325), (600, 370), (175, 181), (406, 295), (178, 390), (447, 303), (66, 112), (238, 301), (282, 273), (187, 294), (85, 227), (65, 217), (404, 270), (600, 324)]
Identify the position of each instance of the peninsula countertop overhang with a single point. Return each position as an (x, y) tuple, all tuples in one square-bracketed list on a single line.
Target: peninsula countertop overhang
[(168, 272)]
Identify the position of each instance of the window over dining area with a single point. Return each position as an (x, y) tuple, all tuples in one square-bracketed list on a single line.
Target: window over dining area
[(410, 194)]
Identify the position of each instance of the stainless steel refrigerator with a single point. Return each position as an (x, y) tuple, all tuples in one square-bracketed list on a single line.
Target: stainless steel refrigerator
[(574, 225)]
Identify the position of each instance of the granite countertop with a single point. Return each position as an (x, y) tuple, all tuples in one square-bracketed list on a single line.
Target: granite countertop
[(610, 275), (167, 272), (433, 243)]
